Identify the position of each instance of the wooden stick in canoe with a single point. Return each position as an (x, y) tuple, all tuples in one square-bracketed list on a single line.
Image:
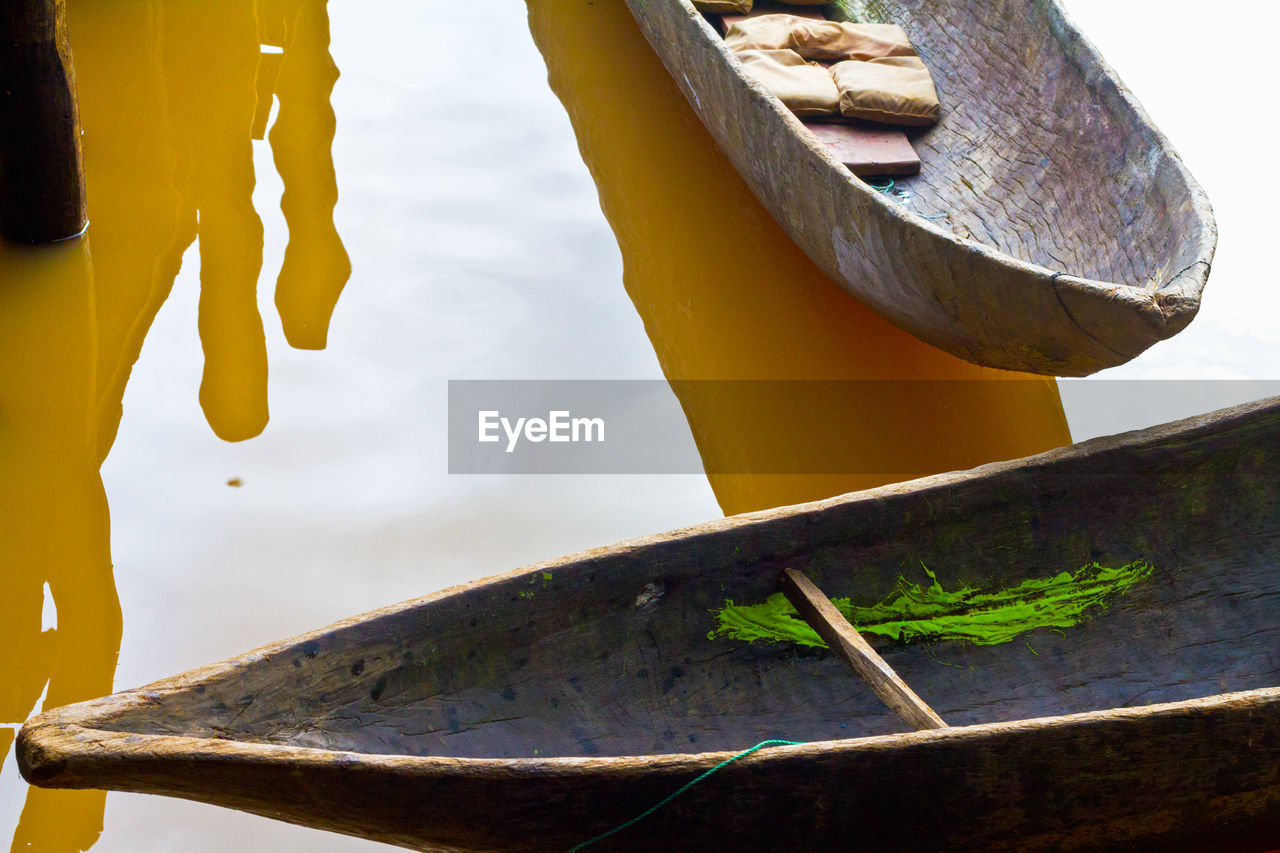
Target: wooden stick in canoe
[(848, 644)]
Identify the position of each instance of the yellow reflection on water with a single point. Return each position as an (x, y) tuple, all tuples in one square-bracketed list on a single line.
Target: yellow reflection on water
[(209, 66), (171, 94), (315, 267), (53, 514), (725, 294)]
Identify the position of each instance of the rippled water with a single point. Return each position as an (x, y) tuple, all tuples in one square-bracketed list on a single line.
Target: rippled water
[(269, 469)]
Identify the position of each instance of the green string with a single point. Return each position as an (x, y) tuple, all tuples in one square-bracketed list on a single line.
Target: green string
[(885, 188), (686, 786)]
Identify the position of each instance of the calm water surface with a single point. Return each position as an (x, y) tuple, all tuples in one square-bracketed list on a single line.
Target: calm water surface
[(222, 415)]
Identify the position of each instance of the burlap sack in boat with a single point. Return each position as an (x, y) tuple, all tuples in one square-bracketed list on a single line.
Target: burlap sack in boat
[(807, 90), (763, 32), (814, 39), (894, 90), (723, 7)]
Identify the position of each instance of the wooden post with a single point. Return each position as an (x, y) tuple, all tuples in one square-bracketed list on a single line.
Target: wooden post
[(843, 639), (41, 179)]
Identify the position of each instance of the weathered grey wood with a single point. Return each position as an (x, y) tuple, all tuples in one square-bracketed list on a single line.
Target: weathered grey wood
[(41, 178), (845, 641), (530, 711), (1068, 236)]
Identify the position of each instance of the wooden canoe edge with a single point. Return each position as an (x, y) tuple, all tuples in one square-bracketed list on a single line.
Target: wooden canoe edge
[(1094, 325), (1186, 284), (316, 788), (67, 750), (1174, 302)]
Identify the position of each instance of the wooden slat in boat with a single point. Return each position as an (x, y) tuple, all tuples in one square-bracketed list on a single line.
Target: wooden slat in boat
[(1071, 237), (531, 711), (867, 149)]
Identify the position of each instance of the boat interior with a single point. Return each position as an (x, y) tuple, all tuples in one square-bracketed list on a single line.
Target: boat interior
[(609, 653), (1037, 153)]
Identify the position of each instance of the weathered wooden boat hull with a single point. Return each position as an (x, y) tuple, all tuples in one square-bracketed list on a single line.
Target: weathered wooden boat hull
[(537, 709), (1192, 776), (1071, 236)]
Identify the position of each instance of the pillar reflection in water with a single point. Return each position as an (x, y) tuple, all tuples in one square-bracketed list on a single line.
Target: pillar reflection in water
[(172, 92), (210, 63), (726, 295), (315, 267), (53, 514)]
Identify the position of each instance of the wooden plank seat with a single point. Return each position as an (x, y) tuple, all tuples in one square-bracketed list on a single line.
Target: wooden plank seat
[(867, 149)]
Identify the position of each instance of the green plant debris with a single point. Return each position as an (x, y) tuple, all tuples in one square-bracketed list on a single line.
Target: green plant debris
[(862, 11), (915, 613)]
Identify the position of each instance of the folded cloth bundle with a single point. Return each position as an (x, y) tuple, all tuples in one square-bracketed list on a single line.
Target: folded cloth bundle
[(807, 90), (814, 39), (742, 7), (895, 90)]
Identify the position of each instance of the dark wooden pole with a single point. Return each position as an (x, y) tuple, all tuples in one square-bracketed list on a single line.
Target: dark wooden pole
[(41, 180)]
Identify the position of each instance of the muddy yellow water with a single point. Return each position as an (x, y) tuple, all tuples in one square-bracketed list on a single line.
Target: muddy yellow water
[(282, 270), (53, 512)]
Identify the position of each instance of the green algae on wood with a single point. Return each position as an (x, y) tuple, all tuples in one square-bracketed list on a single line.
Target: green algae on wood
[(862, 11), (915, 613)]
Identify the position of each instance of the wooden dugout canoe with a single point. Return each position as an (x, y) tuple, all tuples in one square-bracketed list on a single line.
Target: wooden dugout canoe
[(1072, 237), (531, 711)]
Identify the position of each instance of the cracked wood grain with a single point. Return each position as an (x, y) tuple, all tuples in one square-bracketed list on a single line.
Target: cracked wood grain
[(1043, 168)]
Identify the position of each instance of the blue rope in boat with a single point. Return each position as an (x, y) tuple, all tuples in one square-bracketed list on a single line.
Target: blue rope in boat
[(686, 786), (887, 188)]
